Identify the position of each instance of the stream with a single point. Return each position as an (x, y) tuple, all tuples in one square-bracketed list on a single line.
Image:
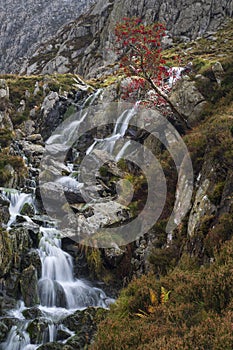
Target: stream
[(60, 293)]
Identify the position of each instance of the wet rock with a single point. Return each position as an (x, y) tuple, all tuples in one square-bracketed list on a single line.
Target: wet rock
[(62, 334), (3, 331), (84, 323), (32, 234), (28, 284), (4, 210), (53, 346), (32, 313), (37, 328), (21, 243), (12, 284), (60, 300), (42, 220), (27, 209), (6, 303), (53, 113), (32, 258), (5, 252)]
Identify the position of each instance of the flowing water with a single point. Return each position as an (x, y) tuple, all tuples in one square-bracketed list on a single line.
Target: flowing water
[(109, 144), (60, 293)]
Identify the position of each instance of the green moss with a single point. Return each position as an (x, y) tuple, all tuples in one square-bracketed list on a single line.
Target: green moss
[(23, 88), (16, 162), (216, 195), (6, 137), (5, 252), (94, 261)]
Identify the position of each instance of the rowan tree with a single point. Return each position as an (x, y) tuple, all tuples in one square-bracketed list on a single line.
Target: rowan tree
[(140, 50)]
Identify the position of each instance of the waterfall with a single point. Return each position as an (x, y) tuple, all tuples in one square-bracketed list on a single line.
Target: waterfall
[(57, 286), (60, 293), (18, 339), (108, 144), (17, 200)]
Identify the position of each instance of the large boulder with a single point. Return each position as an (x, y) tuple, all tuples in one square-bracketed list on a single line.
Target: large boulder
[(188, 100)]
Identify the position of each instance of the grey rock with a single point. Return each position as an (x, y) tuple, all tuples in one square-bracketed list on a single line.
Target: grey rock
[(4, 89), (218, 71), (88, 43), (49, 102), (25, 24), (201, 207), (188, 100)]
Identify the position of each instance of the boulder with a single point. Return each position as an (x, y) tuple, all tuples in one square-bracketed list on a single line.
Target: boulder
[(5, 252), (32, 258), (202, 207), (218, 71), (32, 313), (37, 329), (28, 285), (84, 324), (188, 100), (4, 89)]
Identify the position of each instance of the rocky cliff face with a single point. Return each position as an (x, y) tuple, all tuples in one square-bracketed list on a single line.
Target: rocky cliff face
[(25, 24), (87, 45)]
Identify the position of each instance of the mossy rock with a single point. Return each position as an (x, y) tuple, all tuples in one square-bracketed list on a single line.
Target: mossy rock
[(32, 313), (36, 328), (52, 346), (27, 209), (3, 331)]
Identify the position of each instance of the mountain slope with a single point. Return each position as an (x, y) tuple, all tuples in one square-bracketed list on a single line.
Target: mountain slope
[(87, 44), (25, 24)]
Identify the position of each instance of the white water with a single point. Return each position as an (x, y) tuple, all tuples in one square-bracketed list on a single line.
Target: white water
[(18, 339), (122, 151), (174, 75), (108, 144), (57, 286), (17, 200), (60, 293)]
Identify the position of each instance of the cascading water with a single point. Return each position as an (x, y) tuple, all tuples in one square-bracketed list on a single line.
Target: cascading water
[(57, 286), (108, 144), (60, 293), (17, 200)]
